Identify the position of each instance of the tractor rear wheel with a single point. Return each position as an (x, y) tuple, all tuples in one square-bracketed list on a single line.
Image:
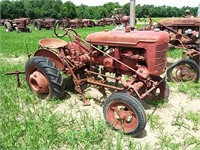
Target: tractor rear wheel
[(161, 92), (93, 24), (183, 70), (44, 78), (8, 26), (37, 25), (124, 112), (29, 30), (17, 29)]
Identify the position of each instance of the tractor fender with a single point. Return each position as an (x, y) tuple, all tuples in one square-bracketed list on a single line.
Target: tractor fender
[(52, 56)]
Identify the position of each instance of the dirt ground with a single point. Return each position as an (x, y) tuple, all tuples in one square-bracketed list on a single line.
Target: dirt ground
[(178, 104)]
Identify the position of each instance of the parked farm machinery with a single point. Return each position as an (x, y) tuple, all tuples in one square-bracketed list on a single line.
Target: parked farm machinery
[(105, 21), (20, 24), (47, 23), (76, 23), (129, 63), (183, 33), (88, 23)]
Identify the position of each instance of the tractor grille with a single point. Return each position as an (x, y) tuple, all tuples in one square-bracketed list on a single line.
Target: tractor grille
[(160, 60)]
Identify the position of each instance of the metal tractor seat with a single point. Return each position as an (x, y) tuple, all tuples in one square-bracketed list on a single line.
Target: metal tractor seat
[(52, 43)]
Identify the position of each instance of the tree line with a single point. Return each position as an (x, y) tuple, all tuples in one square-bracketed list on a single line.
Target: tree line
[(57, 9)]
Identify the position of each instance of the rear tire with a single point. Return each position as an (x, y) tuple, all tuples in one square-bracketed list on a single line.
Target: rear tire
[(29, 30), (93, 23), (37, 25), (17, 29), (124, 112), (8, 26), (183, 70), (161, 92), (44, 78)]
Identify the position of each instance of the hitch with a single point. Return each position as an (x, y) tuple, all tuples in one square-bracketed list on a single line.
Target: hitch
[(16, 74)]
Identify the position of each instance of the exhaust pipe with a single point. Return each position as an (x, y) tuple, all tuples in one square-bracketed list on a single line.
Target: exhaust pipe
[(198, 13), (132, 13)]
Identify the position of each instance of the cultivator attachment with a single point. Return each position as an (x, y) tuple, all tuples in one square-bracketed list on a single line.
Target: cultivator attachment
[(16, 74)]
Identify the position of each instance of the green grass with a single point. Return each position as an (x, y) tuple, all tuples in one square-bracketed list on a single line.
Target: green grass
[(155, 122), (14, 44), (175, 53), (167, 142), (194, 117), (190, 88)]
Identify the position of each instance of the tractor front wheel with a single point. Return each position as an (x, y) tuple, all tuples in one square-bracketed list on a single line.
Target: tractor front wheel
[(126, 113), (44, 78)]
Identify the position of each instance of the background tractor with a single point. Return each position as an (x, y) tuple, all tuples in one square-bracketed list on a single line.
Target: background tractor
[(20, 24), (183, 33), (47, 23)]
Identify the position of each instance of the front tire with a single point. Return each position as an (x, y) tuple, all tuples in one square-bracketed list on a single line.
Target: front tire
[(44, 78), (124, 112)]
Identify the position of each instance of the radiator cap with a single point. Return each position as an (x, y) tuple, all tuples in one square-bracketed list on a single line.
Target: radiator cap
[(156, 29)]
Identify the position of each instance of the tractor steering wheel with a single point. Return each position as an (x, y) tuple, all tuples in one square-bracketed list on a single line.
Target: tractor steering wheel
[(61, 29)]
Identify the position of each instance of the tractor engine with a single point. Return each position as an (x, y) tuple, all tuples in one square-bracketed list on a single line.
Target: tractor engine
[(144, 51)]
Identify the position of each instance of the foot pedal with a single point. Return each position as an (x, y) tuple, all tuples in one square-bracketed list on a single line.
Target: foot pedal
[(86, 103)]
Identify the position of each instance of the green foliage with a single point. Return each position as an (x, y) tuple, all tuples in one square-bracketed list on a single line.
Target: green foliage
[(57, 9), (167, 142), (194, 117), (190, 88), (155, 122), (84, 12), (175, 53), (68, 10), (179, 120)]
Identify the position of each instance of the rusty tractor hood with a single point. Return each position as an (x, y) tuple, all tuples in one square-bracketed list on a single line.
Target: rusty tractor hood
[(127, 39), (189, 22)]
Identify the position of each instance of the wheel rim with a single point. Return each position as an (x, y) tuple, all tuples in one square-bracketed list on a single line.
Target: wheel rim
[(157, 92), (38, 82), (161, 92), (122, 117), (183, 72)]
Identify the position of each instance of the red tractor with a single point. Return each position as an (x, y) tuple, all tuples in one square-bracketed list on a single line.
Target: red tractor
[(20, 24), (47, 23), (184, 33), (88, 23), (132, 60)]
